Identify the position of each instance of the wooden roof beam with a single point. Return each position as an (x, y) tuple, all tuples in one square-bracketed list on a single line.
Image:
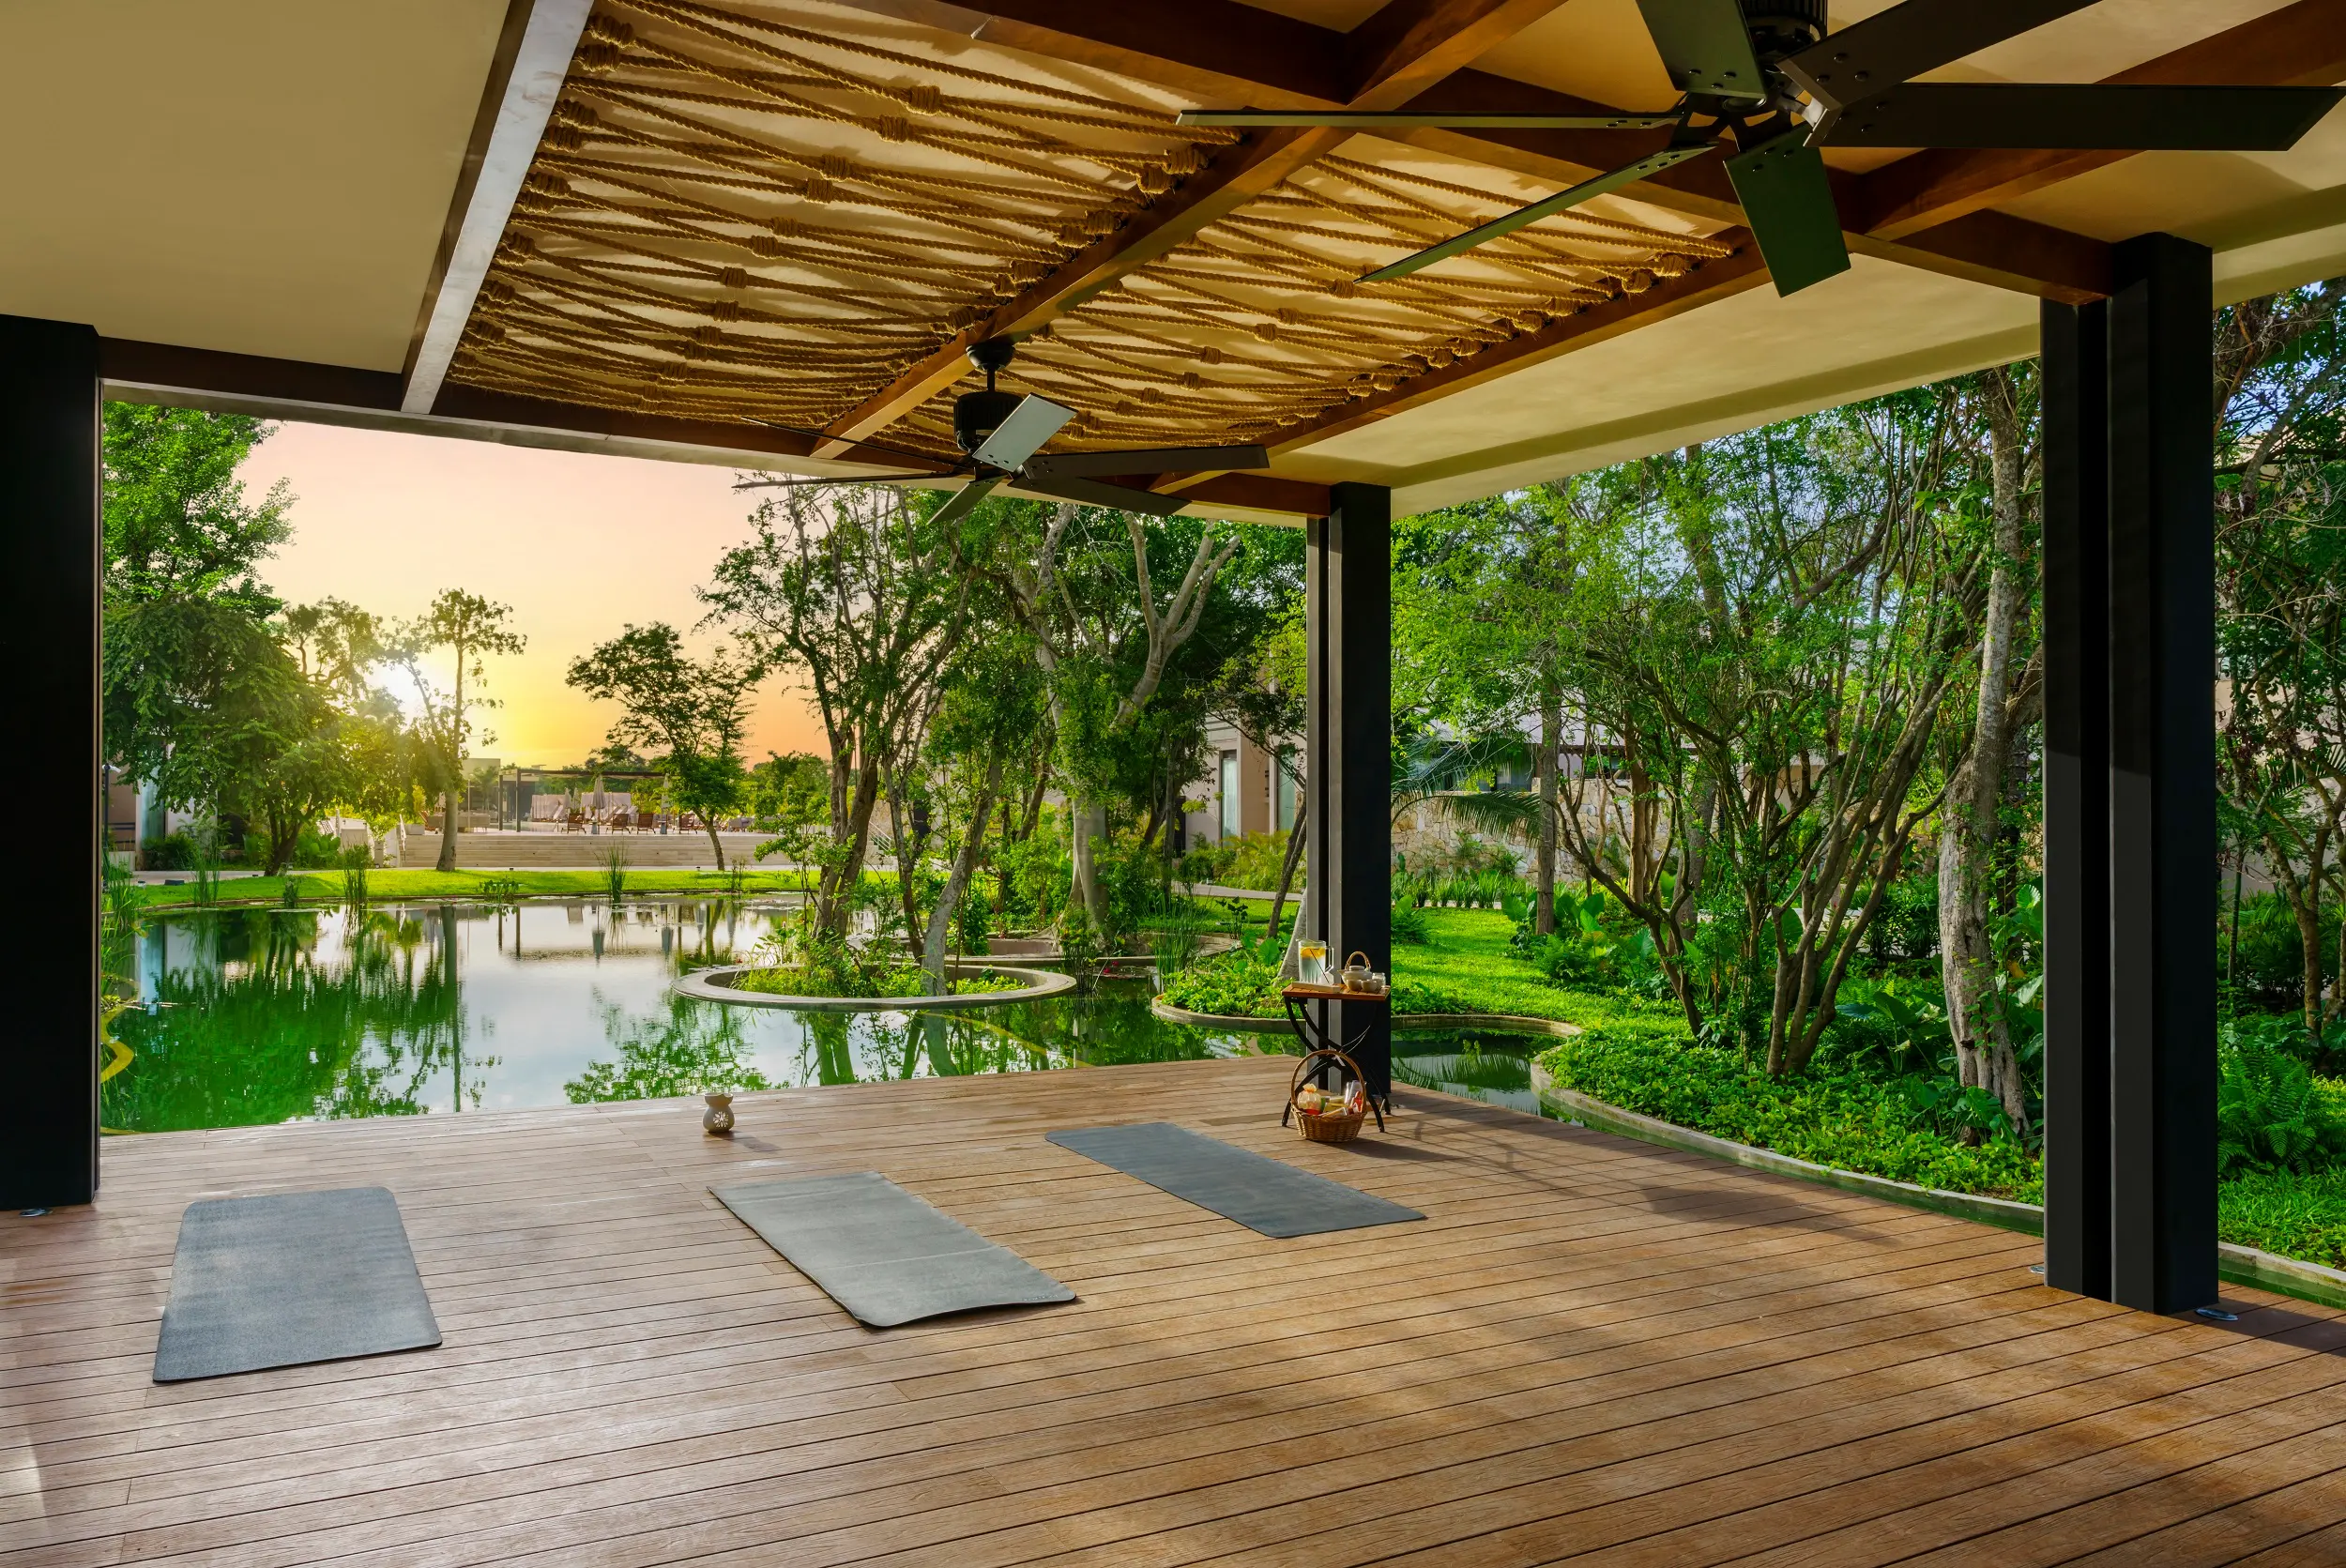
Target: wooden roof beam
[(1276, 61), (2300, 45), (1387, 66)]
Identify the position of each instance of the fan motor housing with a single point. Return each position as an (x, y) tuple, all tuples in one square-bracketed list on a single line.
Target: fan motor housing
[(1781, 27), (975, 414)]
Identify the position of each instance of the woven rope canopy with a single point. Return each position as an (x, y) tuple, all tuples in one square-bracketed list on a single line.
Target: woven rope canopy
[(767, 215)]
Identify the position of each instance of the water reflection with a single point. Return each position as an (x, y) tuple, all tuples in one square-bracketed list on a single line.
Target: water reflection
[(259, 1016)]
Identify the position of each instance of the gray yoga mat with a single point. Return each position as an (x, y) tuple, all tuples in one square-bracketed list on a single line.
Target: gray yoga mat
[(291, 1278), (1266, 1194), (886, 1255)]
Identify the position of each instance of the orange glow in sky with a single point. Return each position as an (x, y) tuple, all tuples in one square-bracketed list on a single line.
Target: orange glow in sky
[(579, 546)]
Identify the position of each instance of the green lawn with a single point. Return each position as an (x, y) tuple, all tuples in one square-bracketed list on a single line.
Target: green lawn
[(326, 887)]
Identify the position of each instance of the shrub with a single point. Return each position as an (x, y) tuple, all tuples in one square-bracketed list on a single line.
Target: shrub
[(1234, 985), (317, 852), (2272, 1114), (1411, 926), (175, 852), (1846, 1120)]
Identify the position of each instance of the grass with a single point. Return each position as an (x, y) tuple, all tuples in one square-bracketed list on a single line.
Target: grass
[(2294, 1216), (891, 982), (1463, 966), (392, 886)]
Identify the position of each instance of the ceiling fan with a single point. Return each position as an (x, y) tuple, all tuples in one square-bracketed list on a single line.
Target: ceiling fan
[(1765, 71), (1003, 433)]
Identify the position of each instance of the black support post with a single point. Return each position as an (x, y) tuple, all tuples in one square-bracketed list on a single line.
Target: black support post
[(2162, 777), (49, 700), (2077, 798), (1349, 629)]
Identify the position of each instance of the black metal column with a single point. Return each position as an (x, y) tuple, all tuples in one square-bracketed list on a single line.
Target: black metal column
[(1348, 764), (2163, 840), (2077, 798), (49, 702)]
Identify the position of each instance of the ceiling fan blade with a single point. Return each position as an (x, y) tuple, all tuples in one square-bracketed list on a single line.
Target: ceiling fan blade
[(1786, 199), (2091, 115), (1891, 47), (1705, 46), (1021, 433), (1091, 492), (965, 500), (1404, 118), (799, 480), (1148, 460), (1653, 163)]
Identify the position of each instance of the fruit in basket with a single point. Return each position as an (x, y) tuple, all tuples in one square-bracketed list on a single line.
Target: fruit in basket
[(1309, 1098)]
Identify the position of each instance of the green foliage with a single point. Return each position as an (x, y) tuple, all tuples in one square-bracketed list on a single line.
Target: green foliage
[(358, 861), (2272, 1115), (178, 522), (1236, 985), (789, 792), (1410, 926), (316, 850), (693, 1048), (694, 711), (2294, 1216), (973, 922), (1846, 1119), (1034, 876)]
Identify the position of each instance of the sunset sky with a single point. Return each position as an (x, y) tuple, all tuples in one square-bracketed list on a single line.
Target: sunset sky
[(578, 545)]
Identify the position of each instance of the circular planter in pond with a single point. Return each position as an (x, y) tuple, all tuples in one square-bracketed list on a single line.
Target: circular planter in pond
[(716, 985)]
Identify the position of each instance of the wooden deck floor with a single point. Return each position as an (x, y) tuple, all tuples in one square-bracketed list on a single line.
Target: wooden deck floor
[(1593, 1350)]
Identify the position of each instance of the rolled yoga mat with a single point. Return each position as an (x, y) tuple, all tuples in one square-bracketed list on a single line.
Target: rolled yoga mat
[(289, 1278), (886, 1255), (1265, 1195)]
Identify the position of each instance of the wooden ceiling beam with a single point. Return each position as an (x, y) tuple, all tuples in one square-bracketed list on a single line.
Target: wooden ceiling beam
[(2300, 45), (1286, 64), (1407, 46), (1387, 67), (1713, 279), (1235, 177)]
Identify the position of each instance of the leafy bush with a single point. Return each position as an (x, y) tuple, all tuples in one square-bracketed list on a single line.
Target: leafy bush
[(2272, 1114), (317, 852), (1035, 875), (1848, 1119), (2268, 970), (1411, 926), (1907, 929), (175, 852), (973, 920), (1236, 985)]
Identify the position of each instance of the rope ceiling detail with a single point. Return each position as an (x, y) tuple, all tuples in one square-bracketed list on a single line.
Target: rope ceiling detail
[(766, 216)]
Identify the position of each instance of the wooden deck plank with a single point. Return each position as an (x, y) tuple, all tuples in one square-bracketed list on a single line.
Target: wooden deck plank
[(1591, 1349)]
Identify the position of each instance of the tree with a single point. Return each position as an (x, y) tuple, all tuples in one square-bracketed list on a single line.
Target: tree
[(2008, 693), (2280, 535), (1104, 654), (471, 628), (694, 711), (178, 523), (852, 589)]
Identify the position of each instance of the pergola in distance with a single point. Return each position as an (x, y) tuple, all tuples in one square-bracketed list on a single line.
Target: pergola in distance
[(764, 235)]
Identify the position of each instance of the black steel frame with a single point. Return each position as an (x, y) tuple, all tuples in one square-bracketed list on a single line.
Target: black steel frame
[(49, 565), (1348, 851)]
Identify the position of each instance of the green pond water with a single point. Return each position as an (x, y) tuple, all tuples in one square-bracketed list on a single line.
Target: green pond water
[(248, 1016)]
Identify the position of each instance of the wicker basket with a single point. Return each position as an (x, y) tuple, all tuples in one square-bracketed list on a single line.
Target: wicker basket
[(1341, 1128)]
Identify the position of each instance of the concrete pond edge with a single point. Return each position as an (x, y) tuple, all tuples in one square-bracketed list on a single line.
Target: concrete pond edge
[(711, 986), (2285, 1276)]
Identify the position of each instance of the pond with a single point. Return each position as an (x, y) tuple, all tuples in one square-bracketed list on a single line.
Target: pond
[(247, 1016)]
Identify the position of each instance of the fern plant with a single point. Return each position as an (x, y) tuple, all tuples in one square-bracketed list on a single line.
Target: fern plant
[(2272, 1115)]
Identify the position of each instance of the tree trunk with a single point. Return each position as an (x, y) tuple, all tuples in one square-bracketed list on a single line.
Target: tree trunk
[(1087, 825), (716, 845), (448, 831), (1551, 745), (854, 835), (1970, 823), (907, 860), (1293, 858), (948, 904)]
